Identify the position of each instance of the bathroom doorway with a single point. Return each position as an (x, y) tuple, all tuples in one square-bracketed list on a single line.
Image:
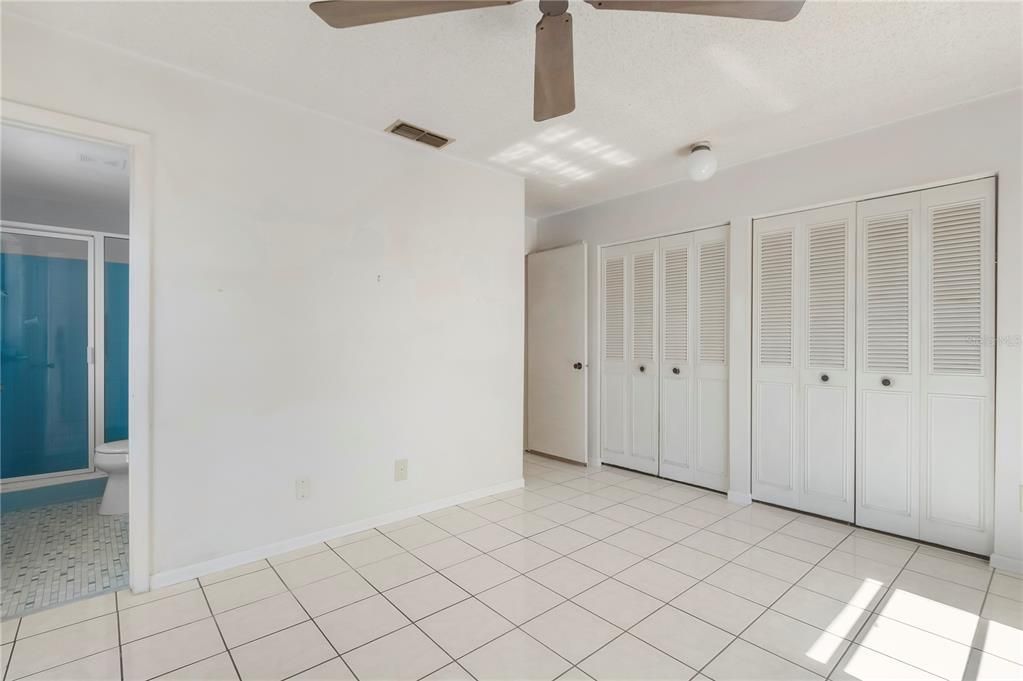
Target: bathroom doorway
[(69, 206)]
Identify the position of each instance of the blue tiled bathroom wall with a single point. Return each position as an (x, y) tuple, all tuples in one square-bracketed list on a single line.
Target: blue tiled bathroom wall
[(44, 408), (115, 415)]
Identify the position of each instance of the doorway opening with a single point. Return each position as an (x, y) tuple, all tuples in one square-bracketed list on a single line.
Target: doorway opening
[(64, 408)]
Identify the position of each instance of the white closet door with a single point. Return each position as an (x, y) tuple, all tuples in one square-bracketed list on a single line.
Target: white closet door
[(678, 299), (776, 416), (803, 402), (642, 363), (956, 442), (614, 379), (710, 399), (827, 403), (887, 376)]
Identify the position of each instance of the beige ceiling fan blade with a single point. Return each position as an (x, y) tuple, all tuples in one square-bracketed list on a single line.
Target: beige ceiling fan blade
[(348, 13), (553, 70), (767, 10)]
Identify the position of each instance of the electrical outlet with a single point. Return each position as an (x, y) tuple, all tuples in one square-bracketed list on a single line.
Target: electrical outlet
[(400, 470), (302, 488)]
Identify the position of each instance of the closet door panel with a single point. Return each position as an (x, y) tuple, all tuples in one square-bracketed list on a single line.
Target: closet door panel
[(827, 451), (775, 373), (887, 493), (827, 469), (888, 382), (711, 367), (614, 380), (676, 376), (643, 389), (957, 450)]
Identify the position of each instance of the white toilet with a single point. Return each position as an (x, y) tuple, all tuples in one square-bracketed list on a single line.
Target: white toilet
[(112, 459)]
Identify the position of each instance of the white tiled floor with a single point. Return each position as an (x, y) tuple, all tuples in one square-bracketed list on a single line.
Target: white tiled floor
[(609, 575)]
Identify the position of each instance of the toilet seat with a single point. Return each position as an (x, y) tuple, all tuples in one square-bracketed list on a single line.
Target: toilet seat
[(115, 447)]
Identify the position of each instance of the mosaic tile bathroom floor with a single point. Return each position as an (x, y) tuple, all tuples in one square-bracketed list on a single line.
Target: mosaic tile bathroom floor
[(59, 553)]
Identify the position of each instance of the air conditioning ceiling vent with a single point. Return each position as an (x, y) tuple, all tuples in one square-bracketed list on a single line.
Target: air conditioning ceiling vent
[(416, 134)]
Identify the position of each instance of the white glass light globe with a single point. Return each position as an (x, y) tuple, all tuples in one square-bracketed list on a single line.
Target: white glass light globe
[(702, 162)]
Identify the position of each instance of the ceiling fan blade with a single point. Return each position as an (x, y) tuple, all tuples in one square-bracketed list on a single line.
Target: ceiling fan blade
[(553, 71), (767, 10), (348, 13)]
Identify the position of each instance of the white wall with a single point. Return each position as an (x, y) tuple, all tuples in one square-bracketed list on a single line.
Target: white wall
[(980, 137), (325, 300)]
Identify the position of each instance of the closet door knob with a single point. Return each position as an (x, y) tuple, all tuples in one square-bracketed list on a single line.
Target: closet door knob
[(886, 382), (642, 368), (577, 365), (825, 378), (676, 371)]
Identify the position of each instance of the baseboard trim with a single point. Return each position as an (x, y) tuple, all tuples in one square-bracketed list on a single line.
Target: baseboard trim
[(181, 574), (1007, 564), (743, 498)]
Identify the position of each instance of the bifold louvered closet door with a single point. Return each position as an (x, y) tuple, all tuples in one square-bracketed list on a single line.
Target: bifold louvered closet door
[(664, 379), (925, 365), (803, 402), (629, 356), (872, 363)]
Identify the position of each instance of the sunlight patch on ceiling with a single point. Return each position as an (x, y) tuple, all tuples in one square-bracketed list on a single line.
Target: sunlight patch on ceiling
[(562, 155)]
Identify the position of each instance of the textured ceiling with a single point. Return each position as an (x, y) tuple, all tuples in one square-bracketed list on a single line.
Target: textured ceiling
[(647, 84)]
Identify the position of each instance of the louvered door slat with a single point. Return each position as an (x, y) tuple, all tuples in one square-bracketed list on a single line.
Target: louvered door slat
[(643, 306), (676, 305), (826, 295), (887, 314), (956, 278), (614, 309), (775, 330), (713, 302)]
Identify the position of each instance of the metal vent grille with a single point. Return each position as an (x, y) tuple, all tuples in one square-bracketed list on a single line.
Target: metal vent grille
[(416, 134)]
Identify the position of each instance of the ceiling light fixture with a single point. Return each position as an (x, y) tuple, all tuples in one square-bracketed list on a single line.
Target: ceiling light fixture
[(702, 162)]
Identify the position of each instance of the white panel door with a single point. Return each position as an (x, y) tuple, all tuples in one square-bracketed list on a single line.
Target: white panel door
[(642, 357), (710, 398), (678, 300), (614, 379), (556, 352), (826, 343), (957, 422), (776, 414), (887, 373)]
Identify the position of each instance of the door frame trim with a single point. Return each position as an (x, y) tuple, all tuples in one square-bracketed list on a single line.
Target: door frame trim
[(139, 146)]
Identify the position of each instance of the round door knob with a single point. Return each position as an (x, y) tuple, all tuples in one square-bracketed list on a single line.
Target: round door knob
[(577, 365), (886, 382), (825, 378), (676, 371), (642, 368)]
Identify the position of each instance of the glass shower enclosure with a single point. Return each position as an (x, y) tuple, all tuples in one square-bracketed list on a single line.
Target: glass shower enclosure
[(50, 402)]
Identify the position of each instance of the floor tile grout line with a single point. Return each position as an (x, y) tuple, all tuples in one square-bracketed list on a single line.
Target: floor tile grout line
[(120, 647), (523, 537), (312, 619), (219, 632), (10, 656), (40, 671), (411, 623), (767, 608), (669, 604)]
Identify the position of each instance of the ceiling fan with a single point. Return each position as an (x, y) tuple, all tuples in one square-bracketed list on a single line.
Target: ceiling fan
[(553, 74)]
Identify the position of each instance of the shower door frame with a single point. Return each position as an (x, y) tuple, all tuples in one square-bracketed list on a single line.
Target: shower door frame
[(140, 153), (93, 337)]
